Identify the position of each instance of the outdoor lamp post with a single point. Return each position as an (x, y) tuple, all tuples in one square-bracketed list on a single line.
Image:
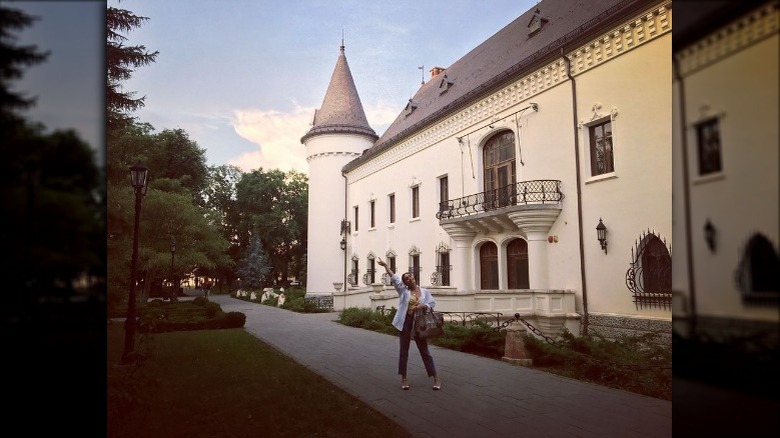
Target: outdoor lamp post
[(174, 283), (138, 178)]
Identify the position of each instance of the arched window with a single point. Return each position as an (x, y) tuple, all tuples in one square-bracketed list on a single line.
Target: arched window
[(499, 170), (488, 266), (758, 274), (517, 264), (650, 276)]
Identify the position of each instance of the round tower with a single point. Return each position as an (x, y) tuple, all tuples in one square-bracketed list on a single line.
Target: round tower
[(340, 133)]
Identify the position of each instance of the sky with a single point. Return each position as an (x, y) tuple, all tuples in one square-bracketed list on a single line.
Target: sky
[(69, 85), (243, 77)]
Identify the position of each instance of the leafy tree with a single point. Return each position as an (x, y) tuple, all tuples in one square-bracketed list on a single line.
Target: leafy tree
[(274, 204), (254, 266), (167, 211), (121, 61)]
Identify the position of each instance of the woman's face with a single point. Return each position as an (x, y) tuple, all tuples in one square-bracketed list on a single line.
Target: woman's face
[(408, 280)]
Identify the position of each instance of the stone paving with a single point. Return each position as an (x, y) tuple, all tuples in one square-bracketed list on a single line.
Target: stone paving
[(479, 396)]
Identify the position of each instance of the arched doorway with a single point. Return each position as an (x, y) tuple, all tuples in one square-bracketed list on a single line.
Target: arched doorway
[(517, 264), (488, 266)]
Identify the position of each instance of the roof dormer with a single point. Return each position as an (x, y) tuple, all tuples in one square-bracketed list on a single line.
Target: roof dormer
[(445, 84), (536, 23)]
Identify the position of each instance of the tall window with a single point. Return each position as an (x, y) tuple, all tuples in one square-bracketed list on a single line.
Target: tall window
[(414, 263), (488, 266), (444, 193), (391, 262), (444, 267), (517, 264), (601, 157), (415, 201), (370, 270), (391, 207), (371, 213), (708, 146), (356, 218), (499, 170), (353, 275)]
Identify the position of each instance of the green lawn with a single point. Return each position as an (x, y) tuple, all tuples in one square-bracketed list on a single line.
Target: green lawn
[(226, 383)]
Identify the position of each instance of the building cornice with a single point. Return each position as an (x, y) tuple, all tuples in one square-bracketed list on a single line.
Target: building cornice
[(729, 39)]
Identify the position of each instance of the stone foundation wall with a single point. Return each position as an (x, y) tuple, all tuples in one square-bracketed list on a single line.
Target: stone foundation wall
[(611, 326)]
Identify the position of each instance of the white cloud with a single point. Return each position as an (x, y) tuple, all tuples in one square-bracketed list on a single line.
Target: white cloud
[(278, 137)]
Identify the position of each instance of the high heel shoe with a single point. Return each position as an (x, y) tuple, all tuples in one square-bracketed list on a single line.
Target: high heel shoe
[(436, 385), (404, 385)]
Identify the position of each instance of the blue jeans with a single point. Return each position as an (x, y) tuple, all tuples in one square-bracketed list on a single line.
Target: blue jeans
[(422, 345)]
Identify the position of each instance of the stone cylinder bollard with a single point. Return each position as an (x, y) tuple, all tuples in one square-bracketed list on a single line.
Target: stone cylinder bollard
[(514, 347)]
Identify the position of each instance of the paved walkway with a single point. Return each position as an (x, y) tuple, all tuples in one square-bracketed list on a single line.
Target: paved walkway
[(479, 396)]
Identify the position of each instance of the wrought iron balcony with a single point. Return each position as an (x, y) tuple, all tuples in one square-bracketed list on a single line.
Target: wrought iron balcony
[(521, 193)]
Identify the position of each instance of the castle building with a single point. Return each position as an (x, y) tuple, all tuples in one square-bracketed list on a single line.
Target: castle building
[(532, 176)]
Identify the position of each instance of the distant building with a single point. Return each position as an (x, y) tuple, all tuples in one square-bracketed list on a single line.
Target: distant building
[(490, 184)]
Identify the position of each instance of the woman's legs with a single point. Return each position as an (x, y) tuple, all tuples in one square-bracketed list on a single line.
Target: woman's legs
[(405, 339), (430, 367)]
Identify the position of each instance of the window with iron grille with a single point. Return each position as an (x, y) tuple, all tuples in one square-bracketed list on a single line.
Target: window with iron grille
[(649, 277), (356, 217), (444, 268), (370, 270), (708, 146), (758, 273), (414, 264), (390, 259), (601, 148), (353, 276)]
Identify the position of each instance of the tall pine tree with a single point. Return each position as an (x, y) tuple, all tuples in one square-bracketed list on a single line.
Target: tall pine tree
[(121, 61), (254, 266)]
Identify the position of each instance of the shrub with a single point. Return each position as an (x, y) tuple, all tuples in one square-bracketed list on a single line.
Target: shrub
[(368, 319), (200, 301), (155, 303)]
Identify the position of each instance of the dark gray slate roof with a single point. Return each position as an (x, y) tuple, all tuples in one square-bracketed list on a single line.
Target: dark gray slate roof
[(341, 110), (506, 56)]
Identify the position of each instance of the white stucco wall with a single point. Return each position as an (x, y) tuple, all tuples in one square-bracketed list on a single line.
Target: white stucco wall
[(742, 91), (636, 88)]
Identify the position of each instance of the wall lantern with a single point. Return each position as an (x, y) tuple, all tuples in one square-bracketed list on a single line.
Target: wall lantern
[(601, 233), (343, 243), (709, 235)]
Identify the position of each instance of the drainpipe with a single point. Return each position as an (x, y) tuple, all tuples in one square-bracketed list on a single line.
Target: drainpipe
[(686, 198), (346, 212), (579, 194)]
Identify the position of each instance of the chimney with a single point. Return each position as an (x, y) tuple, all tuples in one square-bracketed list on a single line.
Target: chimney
[(436, 70)]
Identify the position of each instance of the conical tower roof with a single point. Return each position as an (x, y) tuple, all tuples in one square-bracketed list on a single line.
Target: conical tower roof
[(341, 110)]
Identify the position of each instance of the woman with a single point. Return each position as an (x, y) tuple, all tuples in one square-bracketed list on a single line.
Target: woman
[(412, 298)]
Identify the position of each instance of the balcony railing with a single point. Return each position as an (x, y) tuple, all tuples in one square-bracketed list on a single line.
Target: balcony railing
[(521, 193)]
